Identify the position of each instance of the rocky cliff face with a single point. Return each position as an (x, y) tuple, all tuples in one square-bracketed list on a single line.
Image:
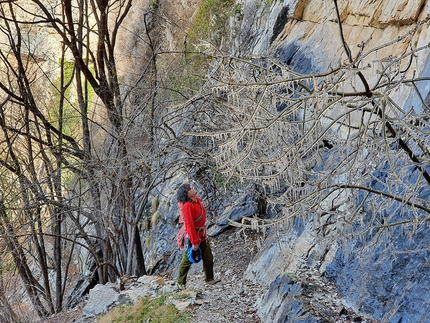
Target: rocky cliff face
[(379, 275)]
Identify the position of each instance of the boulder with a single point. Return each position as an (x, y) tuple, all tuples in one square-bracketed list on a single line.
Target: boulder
[(100, 298)]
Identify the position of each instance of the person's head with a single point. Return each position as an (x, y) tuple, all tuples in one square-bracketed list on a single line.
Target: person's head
[(185, 193)]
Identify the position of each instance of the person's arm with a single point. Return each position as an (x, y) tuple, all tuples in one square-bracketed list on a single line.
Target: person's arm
[(189, 225)]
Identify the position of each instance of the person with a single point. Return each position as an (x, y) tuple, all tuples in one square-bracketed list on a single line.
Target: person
[(194, 217)]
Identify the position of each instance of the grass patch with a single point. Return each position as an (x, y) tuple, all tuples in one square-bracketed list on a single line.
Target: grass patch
[(154, 310)]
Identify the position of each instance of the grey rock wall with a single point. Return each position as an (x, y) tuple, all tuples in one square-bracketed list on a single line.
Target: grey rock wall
[(280, 305), (386, 276), (381, 274)]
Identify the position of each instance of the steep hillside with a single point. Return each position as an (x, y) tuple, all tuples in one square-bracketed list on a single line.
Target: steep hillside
[(302, 123), (378, 273)]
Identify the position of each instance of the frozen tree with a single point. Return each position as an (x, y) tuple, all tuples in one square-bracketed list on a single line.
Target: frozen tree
[(318, 142)]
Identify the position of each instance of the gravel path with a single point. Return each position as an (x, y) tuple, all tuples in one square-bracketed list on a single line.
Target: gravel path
[(232, 299)]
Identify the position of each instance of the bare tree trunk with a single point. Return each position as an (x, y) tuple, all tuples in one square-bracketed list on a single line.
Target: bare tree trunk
[(8, 314), (30, 283)]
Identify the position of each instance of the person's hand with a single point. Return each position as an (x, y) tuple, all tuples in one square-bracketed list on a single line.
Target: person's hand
[(195, 246)]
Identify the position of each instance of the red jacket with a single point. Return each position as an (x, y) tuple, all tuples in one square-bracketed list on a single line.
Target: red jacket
[(195, 221)]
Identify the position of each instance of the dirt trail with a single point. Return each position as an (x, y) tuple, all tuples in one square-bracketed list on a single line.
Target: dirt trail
[(232, 299)]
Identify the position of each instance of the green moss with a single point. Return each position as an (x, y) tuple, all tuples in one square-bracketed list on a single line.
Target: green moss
[(268, 3), (145, 225), (237, 9), (167, 204), (187, 80), (154, 219), (70, 118), (211, 22), (155, 4), (209, 26), (71, 115), (147, 310), (155, 204)]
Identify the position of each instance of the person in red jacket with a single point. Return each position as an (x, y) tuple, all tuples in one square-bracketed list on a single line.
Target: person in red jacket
[(194, 217)]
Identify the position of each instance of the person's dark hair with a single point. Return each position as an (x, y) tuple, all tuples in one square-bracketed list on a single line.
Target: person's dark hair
[(182, 194)]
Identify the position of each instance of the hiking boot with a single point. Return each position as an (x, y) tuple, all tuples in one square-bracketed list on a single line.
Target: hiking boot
[(213, 281), (179, 287)]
